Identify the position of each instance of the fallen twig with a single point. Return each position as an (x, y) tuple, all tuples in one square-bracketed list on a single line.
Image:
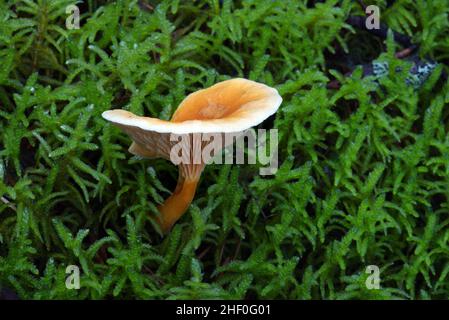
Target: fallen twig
[(8, 203)]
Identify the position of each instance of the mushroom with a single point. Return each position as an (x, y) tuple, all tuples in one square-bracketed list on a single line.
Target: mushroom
[(230, 106)]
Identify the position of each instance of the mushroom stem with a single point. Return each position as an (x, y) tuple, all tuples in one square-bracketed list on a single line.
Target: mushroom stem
[(176, 205)]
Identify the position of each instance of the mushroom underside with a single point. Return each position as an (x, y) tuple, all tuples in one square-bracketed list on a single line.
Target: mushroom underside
[(189, 157)]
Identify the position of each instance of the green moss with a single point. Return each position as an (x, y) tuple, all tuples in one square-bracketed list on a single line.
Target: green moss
[(364, 170)]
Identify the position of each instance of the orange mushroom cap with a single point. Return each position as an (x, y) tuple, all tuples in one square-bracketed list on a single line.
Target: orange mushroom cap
[(229, 106)]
